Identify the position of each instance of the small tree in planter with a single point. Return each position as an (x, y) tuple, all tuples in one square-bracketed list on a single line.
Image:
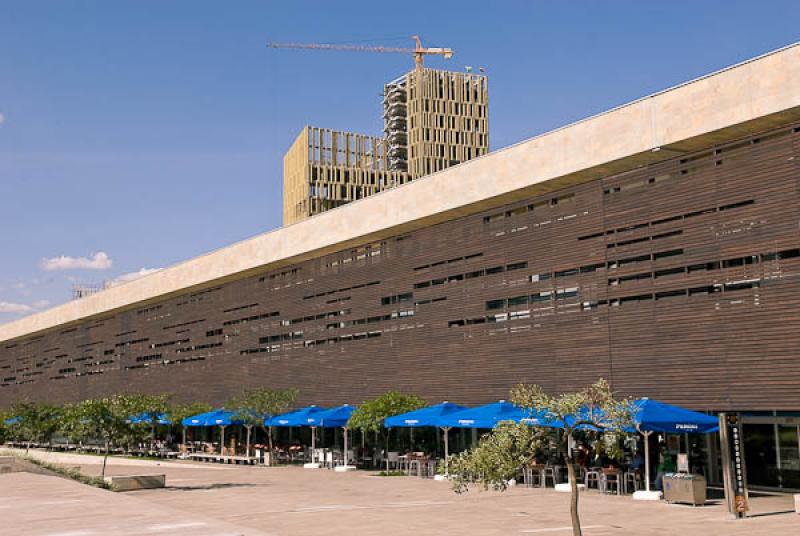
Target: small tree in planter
[(498, 454), (253, 406), (369, 416), (155, 406), (177, 412), (107, 419)]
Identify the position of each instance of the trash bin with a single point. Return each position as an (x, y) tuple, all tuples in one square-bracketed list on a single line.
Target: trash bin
[(685, 488)]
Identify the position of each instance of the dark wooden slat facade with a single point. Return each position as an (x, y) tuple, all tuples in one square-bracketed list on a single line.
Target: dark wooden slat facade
[(679, 281)]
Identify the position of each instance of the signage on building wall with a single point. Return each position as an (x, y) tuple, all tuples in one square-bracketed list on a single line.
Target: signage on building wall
[(738, 470)]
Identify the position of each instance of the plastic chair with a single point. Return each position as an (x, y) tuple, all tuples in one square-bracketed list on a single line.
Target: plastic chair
[(592, 477), (551, 473), (632, 481)]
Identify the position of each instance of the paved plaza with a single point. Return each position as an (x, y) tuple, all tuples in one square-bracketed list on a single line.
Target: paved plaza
[(229, 500)]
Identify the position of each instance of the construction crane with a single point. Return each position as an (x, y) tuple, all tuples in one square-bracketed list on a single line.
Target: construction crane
[(418, 51)]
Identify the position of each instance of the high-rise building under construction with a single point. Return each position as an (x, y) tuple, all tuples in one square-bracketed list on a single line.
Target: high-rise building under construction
[(433, 119)]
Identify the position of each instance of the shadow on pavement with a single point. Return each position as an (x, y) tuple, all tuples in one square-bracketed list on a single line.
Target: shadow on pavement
[(207, 487)]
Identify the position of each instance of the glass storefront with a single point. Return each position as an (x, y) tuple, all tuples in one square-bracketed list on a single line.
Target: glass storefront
[(772, 451)]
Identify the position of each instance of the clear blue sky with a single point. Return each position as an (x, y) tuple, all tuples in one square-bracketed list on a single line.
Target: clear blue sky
[(154, 131)]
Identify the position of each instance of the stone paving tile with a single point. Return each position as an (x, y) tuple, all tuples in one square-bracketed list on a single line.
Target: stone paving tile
[(37, 505), (293, 501)]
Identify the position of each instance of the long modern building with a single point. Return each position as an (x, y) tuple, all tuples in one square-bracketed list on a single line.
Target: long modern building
[(656, 245)]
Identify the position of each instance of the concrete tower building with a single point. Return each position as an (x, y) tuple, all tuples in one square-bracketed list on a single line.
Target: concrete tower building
[(432, 120)]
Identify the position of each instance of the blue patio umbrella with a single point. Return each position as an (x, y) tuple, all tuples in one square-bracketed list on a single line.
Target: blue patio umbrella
[(11, 421), (300, 417), (490, 415), (146, 417), (336, 418), (429, 416), (652, 416), (218, 417)]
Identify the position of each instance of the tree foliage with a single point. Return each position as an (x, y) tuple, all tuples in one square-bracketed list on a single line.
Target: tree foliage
[(177, 412), (34, 422), (107, 419), (369, 416), (498, 457)]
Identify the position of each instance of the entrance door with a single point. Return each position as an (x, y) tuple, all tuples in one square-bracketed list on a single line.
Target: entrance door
[(788, 456), (760, 454)]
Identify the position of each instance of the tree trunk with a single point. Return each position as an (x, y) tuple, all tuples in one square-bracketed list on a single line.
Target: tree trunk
[(573, 489), (105, 460), (27, 447)]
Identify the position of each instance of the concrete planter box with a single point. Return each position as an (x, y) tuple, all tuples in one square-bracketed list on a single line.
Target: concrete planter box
[(344, 468), (133, 483), (566, 488), (797, 503)]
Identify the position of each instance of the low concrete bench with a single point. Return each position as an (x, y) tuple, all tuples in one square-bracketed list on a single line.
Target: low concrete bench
[(136, 482)]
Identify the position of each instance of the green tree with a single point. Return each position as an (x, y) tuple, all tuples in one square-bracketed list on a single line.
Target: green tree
[(500, 454), (107, 419), (253, 406), (369, 416), (35, 422), (177, 412), (154, 407)]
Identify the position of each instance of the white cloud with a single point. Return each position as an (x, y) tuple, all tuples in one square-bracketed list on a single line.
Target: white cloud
[(124, 278), (23, 308), (8, 307), (2, 119), (99, 261)]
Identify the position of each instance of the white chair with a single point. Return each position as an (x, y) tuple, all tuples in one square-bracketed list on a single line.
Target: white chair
[(393, 460)]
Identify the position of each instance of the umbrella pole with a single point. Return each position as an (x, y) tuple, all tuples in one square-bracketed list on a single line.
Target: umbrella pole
[(646, 460), (345, 445), (222, 440), (446, 431), (313, 442)]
